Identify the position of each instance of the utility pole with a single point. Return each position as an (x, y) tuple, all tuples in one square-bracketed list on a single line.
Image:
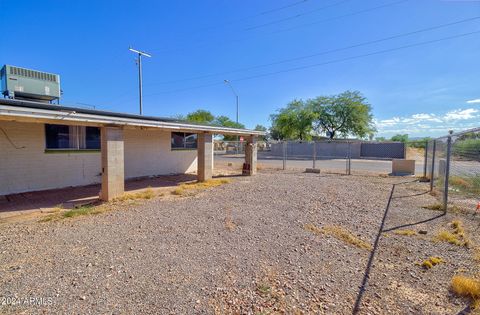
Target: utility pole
[(140, 92)]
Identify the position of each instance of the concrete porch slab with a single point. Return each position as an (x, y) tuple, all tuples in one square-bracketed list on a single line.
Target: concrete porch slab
[(45, 201)]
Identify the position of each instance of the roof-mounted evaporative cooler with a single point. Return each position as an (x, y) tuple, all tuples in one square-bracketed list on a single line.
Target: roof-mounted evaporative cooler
[(21, 83)]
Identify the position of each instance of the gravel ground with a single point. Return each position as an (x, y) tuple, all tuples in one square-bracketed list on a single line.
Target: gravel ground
[(240, 248)]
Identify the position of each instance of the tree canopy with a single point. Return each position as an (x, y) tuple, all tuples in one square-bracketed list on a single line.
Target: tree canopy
[(224, 121), (201, 116), (261, 128), (400, 138), (345, 114), (293, 122)]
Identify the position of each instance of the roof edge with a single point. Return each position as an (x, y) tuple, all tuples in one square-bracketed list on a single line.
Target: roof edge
[(61, 112)]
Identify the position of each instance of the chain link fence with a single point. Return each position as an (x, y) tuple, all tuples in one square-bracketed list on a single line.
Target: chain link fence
[(222, 147), (453, 167), (332, 156)]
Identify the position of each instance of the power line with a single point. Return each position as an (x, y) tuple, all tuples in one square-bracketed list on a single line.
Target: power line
[(326, 63), (297, 15), (295, 27), (281, 8), (361, 56), (343, 16), (262, 13), (427, 29)]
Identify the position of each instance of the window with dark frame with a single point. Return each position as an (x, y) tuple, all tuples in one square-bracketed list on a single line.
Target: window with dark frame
[(183, 141), (64, 137)]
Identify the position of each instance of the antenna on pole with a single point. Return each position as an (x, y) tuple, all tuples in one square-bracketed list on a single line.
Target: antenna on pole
[(140, 54)]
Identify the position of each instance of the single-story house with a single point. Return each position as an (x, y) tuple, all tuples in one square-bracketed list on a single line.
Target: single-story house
[(45, 146)]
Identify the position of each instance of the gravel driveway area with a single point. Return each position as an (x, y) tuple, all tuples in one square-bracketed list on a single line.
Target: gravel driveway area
[(258, 245)]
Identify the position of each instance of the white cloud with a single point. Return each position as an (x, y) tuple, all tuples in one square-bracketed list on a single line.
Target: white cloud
[(460, 114), (430, 124), (475, 101)]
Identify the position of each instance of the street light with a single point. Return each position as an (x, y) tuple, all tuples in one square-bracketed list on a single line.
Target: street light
[(227, 82), (140, 54)]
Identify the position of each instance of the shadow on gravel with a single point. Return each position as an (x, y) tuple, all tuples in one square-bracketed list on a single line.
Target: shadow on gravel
[(467, 310), (363, 286), (415, 223), (414, 195)]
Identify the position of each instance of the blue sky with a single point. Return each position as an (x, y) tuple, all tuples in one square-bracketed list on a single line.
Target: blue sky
[(422, 90)]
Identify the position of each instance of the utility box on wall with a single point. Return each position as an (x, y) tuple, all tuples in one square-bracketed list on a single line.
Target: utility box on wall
[(29, 84)]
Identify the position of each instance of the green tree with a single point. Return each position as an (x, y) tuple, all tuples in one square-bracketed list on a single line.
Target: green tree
[(344, 114), (400, 138), (201, 116), (224, 121), (275, 134), (293, 122), (261, 128)]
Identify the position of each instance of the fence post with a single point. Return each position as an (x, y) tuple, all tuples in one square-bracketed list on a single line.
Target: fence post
[(314, 153), (349, 158), (447, 173), (284, 155), (425, 160), (432, 172)]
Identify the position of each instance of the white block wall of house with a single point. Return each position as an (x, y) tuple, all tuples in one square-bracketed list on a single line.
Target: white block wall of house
[(29, 168), (147, 152)]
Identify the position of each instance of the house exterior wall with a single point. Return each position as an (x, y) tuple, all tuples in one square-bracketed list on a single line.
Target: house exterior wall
[(29, 168), (147, 152)]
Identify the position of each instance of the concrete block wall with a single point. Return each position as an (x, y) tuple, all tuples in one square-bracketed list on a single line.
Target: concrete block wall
[(148, 152), (30, 168)]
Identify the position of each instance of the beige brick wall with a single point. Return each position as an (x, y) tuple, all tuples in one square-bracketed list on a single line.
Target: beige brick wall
[(147, 152), (30, 168)]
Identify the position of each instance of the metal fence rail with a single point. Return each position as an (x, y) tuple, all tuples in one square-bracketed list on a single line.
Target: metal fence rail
[(337, 156), (333, 156), (453, 165)]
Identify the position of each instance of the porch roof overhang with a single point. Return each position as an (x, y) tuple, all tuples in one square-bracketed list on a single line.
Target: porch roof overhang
[(29, 111)]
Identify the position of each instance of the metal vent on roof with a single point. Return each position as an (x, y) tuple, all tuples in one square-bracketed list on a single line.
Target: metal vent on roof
[(33, 74)]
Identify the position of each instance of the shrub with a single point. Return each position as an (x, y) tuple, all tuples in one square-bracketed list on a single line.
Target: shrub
[(457, 237), (468, 148), (339, 233), (466, 184), (405, 232), (419, 144), (146, 194), (465, 286), (432, 261), (183, 188)]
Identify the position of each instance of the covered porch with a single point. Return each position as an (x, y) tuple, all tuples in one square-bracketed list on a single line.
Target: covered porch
[(112, 153), (147, 154)]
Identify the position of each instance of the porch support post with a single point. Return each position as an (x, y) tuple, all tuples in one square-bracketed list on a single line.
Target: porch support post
[(250, 165), (113, 178), (205, 156)]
